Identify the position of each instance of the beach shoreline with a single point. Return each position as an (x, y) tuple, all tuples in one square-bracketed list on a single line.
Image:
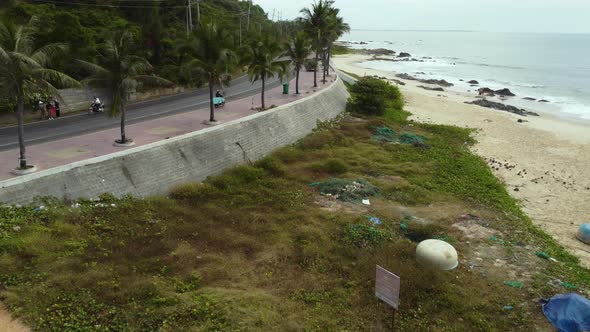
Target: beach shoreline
[(542, 161)]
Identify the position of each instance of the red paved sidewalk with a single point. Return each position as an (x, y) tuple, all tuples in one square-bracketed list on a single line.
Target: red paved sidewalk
[(69, 150)]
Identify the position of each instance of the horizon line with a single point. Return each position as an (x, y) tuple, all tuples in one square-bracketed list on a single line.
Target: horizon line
[(463, 30)]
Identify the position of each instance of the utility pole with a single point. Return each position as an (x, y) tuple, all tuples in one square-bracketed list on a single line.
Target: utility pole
[(187, 24), (249, 11), (273, 14), (190, 14), (198, 12), (241, 29)]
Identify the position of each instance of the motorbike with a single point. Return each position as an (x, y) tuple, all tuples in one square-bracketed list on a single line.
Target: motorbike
[(96, 108)]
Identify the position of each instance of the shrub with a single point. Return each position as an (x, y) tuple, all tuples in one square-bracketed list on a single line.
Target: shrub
[(310, 64), (372, 96), (331, 166), (364, 236), (192, 191), (272, 165)]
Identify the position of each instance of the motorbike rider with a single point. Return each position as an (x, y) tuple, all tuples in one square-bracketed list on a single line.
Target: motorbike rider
[(96, 104)]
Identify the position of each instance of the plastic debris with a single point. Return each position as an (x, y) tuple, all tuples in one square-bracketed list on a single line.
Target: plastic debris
[(568, 285), (513, 284), (437, 254), (508, 307), (347, 190), (409, 138), (568, 312), (495, 239), (366, 201), (546, 256), (584, 233), (375, 220), (384, 134)]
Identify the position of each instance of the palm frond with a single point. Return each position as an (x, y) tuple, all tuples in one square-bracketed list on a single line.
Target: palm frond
[(94, 69), (56, 78), (152, 81), (47, 53)]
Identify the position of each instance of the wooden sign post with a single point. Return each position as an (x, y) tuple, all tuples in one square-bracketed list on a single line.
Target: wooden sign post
[(387, 286)]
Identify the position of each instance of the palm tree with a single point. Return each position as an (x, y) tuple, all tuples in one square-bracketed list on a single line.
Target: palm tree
[(337, 27), (212, 54), (121, 72), (298, 50), (261, 56), (316, 21), (24, 71)]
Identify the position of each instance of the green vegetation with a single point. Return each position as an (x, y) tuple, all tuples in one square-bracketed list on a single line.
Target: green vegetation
[(298, 50), (124, 48), (25, 70), (261, 248), (372, 96), (211, 53), (340, 50), (324, 26), (262, 58), (120, 71)]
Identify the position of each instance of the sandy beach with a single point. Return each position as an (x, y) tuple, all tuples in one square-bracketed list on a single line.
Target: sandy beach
[(550, 155)]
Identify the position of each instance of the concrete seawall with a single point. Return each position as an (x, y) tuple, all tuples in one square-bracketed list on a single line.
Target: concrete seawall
[(155, 168)]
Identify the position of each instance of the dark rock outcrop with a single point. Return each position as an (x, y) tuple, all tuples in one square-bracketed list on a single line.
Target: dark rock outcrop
[(529, 98), (431, 89), (405, 76), (544, 101), (486, 92), (398, 82), (502, 107), (404, 55), (489, 92), (473, 82), (425, 81), (380, 51), (505, 92)]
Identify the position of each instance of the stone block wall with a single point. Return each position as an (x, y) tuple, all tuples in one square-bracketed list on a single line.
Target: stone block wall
[(157, 167), (74, 100)]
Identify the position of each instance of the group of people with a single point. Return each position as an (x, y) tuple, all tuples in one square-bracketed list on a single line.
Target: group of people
[(50, 109)]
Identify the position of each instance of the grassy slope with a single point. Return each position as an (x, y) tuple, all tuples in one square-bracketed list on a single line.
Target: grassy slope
[(257, 248)]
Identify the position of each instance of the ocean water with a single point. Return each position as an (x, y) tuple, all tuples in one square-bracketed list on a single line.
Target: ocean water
[(555, 67)]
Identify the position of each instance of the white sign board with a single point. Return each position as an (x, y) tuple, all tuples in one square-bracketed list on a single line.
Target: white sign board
[(387, 287)]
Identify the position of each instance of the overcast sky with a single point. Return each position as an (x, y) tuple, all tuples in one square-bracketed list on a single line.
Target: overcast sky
[(494, 15)]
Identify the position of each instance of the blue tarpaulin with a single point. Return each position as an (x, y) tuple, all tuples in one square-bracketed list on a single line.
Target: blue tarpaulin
[(568, 312)]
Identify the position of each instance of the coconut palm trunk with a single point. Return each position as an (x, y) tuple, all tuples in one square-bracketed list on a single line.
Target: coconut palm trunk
[(329, 54), (324, 66), (211, 104), (122, 108), (297, 69), (20, 110), (262, 94), (315, 70)]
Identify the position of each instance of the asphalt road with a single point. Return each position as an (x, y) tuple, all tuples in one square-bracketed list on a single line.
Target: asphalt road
[(83, 123)]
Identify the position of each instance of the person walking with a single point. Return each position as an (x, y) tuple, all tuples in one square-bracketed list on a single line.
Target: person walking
[(57, 109), (48, 109), (42, 110)]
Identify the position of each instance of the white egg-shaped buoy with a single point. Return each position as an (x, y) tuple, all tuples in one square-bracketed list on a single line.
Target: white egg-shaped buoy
[(584, 233), (437, 254)]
